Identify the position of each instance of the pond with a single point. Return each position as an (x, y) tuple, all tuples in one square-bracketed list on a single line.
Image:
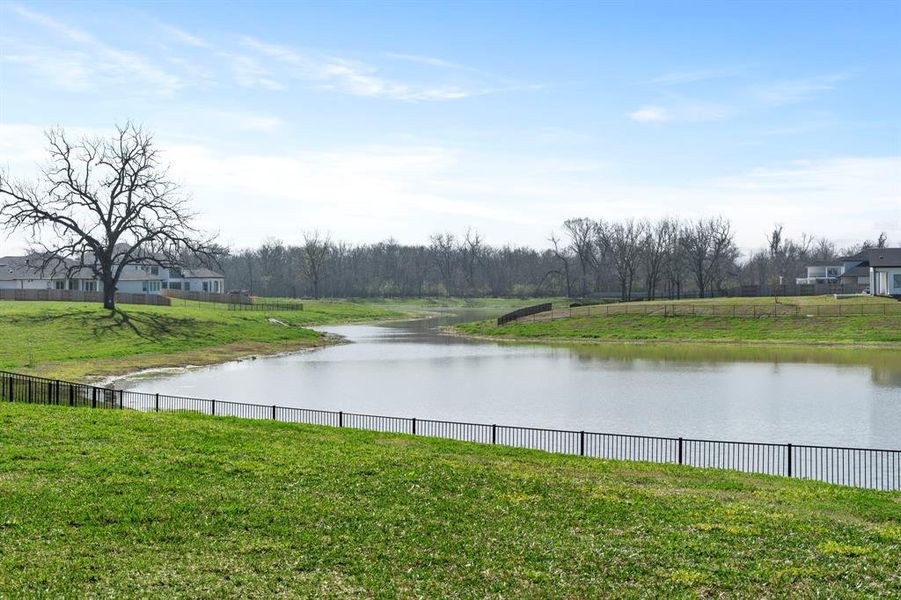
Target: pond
[(826, 396)]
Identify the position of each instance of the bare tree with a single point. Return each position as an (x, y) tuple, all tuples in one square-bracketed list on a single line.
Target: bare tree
[(102, 205), (581, 234), (316, 250), (653, 252), (442, 248), (563, 259), (709, 248), (623, 242)]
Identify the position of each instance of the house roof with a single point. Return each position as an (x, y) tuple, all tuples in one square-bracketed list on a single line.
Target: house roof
[(200, 273), (836, 262), (884, 257), (858, 271)]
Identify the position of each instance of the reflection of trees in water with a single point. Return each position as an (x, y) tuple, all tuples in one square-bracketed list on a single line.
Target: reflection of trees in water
[(888, 377), (885, 364)]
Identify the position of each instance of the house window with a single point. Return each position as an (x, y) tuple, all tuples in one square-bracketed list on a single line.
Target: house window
[(90, 286), (187, 286), (174, 285), (150, 286), (206, 286), (896, 281), (73, 284), (154, 270), (216, 287), (59, 285)]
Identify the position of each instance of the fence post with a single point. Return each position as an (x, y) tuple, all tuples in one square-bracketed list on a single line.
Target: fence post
[(340, 418), (493, 433), (213, 407), (789, 447), (156, 403), (57, 391), (414, 425), (680, 451), (71, 395), (121, 397), (581, 443), (273, 412), (93, 397), (30, 395)]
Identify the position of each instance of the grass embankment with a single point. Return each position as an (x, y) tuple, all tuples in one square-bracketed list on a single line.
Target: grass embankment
[(75, 341), (868, 329), (116, 503)]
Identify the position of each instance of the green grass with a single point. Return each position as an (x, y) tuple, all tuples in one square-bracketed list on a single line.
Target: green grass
[(116, 503), (650, 328), (73, 340)]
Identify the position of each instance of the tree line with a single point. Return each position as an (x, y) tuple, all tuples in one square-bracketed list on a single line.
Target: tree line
[(630, 259)]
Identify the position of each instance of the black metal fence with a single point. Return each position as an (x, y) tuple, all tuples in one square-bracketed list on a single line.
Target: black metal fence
[(267, 306), (524, 312), (856, 467), (714, 309)]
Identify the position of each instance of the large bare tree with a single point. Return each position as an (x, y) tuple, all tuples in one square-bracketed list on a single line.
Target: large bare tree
[(102, 205)]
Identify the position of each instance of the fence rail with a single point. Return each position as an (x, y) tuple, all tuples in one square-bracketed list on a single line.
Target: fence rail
[(856, 467), (524, 312), (80, 296), (681, 309), (267, 306)]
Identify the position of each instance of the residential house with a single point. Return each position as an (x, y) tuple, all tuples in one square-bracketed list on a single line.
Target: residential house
[(874, 270), (21, 273)]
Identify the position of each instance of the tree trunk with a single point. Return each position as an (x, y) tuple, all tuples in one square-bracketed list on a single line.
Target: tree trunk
[(109, 294)]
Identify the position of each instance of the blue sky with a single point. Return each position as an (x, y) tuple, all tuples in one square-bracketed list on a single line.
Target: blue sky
[(370, 120)]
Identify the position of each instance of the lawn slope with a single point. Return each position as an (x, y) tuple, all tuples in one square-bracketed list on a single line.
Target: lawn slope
[(116, 503), (873, 329), (75, 340)]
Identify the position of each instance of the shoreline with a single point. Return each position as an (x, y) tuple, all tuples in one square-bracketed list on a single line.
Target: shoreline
[(454, 331)]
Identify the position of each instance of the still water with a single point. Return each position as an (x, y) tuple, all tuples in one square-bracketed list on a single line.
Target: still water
[(821, 396)]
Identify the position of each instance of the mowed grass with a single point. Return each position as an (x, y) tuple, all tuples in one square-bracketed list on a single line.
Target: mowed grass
[(75, 340), (874, 329), (123, 504)]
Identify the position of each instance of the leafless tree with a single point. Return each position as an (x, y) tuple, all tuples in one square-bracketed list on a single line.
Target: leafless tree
[(102, 205), (316, 250), (709, 247), (653, 252), (582, 234), (442, 248), (623, 241), (563, 259)]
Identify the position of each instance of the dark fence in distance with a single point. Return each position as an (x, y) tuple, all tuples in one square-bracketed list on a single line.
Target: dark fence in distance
[(836, 309), (267, 306), (78, 296), (226, 298), (523, 312), (856, 467)]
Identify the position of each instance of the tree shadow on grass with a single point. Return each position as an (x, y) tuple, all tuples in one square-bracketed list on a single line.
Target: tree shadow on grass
[(147, 326)]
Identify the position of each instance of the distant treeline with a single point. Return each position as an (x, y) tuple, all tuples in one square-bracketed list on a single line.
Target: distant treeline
[(630, 258)]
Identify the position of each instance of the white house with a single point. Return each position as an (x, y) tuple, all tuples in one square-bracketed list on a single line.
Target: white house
[(18, 272), (877, 270)]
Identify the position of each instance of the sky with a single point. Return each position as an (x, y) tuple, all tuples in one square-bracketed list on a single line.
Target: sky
[(370, 120)]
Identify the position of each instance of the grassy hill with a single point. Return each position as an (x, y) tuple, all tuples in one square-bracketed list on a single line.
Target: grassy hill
[(649, 322), (116, 503), (74, 340)]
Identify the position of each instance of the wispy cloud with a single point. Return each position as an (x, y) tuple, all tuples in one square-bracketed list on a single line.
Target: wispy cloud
[(650, 114), (794, 91), (691, 76), (90, 64), (358, 78), (682, 109)]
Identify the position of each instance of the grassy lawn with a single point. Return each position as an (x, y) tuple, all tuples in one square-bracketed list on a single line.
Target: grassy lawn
[(623, 328), (116, 503), (74, 340)]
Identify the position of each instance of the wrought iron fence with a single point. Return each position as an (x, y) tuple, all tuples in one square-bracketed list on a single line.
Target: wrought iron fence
[(524, 312), (856, 467), (267, 306), (712, 309)]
